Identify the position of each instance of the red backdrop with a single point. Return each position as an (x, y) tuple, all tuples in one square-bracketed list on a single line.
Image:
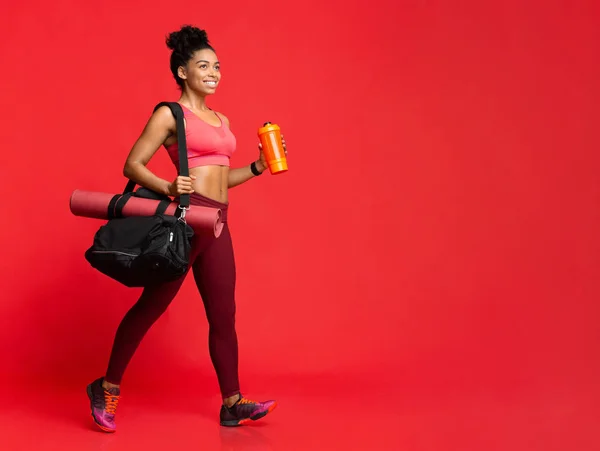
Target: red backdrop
[(439, 222)]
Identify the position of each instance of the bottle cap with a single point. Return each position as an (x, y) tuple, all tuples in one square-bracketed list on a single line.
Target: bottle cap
[(268, 127)]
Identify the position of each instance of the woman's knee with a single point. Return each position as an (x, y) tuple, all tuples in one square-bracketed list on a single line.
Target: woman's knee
[(222, 320)]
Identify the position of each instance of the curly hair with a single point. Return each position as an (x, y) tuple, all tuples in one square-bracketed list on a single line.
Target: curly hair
[(184, 43)]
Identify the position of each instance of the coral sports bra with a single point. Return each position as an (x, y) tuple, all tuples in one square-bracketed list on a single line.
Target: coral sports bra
[(206, 144)]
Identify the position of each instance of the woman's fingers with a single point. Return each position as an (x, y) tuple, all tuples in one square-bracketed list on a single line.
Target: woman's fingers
[(184, 184)]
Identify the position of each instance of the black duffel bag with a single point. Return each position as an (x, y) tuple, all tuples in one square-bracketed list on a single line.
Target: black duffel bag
[(138, 251)]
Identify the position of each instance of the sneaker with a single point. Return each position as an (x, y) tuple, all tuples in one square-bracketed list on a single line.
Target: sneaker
[(103, 404), (244, 411)]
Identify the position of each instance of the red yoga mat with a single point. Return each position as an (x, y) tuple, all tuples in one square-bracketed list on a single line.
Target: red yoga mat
[(92, 204)]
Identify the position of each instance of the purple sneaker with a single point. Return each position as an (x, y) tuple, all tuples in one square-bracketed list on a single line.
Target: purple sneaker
[(104, 405), (244, 411)]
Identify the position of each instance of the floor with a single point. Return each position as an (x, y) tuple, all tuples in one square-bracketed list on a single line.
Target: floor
[(314, 413)]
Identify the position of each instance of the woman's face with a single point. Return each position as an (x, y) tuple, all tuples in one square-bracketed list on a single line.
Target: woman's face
[(202, 73)]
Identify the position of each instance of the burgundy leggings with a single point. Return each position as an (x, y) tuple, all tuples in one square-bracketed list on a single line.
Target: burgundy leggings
[(213, 266)]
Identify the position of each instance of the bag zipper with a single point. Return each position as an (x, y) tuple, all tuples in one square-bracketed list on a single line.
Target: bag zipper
[(114, 252)]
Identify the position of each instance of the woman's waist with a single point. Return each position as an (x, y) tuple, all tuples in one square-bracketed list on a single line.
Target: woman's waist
[(210, 186), (205, 201), (211, 181)]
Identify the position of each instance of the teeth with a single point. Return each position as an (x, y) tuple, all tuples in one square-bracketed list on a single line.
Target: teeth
[(210, 82)]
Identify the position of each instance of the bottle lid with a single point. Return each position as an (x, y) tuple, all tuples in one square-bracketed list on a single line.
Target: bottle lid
[(268, 127)]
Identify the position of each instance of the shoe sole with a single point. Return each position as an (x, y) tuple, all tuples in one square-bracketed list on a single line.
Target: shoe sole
[(258, 416), (102, 428)]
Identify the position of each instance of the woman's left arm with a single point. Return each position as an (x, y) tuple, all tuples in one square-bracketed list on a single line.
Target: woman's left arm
[(238, 176)]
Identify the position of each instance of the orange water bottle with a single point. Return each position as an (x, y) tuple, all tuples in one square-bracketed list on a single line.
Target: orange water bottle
[(272, 147)]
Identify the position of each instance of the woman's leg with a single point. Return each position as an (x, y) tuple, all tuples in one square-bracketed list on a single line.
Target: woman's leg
[(153, 302), (215, 274), (104, 392)]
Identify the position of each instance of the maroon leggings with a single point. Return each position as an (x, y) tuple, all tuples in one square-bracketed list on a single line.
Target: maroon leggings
[(213, 266)]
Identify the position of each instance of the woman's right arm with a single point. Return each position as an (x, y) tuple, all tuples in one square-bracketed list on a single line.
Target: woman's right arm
[(160, 125)]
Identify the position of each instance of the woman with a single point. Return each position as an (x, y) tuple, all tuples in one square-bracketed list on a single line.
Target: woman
[(210, 144)]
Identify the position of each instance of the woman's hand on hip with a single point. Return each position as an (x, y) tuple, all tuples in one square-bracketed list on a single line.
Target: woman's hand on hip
[(182, 185)]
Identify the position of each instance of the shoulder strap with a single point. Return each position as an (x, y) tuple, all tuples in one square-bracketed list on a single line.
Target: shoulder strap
[(184, 199)]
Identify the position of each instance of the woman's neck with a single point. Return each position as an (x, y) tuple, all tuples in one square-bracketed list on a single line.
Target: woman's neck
[(194, 102)]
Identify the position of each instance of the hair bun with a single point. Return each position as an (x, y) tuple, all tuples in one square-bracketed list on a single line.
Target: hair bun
[(187, 37)]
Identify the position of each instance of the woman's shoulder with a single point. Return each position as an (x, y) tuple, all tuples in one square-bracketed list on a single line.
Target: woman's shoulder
[(165, 109), (164, 113), (161, 120)]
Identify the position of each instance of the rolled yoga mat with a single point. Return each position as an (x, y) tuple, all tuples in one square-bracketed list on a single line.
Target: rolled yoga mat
[(93, 204)]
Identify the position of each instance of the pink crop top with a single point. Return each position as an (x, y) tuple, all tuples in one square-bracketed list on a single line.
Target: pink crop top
[(206, 144)]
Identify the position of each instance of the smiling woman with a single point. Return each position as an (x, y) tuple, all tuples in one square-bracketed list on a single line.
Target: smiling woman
[(210, 145), (193, 59)]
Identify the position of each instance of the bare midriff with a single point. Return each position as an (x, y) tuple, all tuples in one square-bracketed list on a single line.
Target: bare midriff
[(211, 182)]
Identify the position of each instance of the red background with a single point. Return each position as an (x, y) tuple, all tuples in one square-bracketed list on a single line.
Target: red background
[(438, 230)]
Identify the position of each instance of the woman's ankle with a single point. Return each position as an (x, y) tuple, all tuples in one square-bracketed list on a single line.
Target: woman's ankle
[(107, 385), (231, 400)]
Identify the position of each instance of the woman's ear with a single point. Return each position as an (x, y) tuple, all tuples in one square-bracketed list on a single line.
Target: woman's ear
[(182, 72)]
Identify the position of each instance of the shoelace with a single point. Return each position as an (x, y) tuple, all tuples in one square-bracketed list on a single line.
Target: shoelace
[(246, 401), (110, 402)]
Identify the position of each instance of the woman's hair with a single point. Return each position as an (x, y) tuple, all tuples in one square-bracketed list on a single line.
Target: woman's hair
[(184, 43)]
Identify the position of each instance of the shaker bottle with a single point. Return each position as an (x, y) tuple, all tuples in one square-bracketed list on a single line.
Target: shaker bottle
[(272, 147)]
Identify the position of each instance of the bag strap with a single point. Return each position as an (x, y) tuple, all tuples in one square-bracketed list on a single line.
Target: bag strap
[(118, 201), (184, 199), (116, 204)]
